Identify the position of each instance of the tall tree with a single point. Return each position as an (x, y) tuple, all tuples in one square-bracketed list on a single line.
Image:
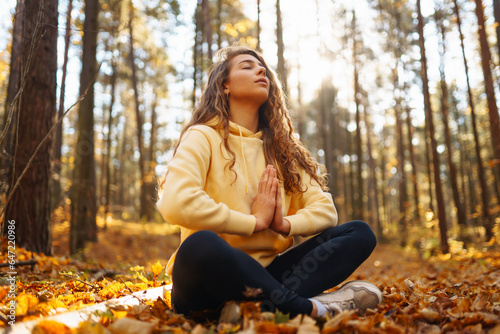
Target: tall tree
[(83, 193), (10, 121), (359, 193), (258, 26), (198, 40), (143, 210), (219, 24), (490, 96), (430, 123), (477, 146), (281, 48), (496, 11), (58, 140), (29, 206), (207, 28), (439, 16)]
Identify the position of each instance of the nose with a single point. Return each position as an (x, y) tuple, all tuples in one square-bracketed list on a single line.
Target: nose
[(262, 70)]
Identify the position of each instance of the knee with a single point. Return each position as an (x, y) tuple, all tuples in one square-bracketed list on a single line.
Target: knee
[(364, 235), (199, 246)]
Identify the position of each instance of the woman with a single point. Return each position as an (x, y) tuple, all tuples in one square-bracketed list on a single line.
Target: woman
[(241, 186)]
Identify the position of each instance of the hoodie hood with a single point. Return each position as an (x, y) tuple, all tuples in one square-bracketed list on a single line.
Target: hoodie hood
[(241, 132), (235, 129)]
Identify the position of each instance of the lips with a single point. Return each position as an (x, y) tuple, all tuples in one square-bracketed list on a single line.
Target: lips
[(263, 80)]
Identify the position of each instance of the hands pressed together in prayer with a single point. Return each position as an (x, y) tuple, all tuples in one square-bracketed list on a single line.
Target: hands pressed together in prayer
[(267, 206)]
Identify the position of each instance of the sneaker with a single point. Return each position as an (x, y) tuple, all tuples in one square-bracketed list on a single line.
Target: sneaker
[(354, 295), (230, 313)]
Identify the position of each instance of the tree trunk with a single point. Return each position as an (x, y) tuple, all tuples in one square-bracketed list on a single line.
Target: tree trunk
[(138, 116), (107, 199), (258, 26), (372, 183), (413, 159), (29, 208), (207, 23), (197, 53), (83, 201), (384, 180), (58, 139), (445, 111), (10, 121), (401, 179), (496, 11), (281, 48), (219, 24), (428, 117), (358, 205), (490, 96), (477, 148)]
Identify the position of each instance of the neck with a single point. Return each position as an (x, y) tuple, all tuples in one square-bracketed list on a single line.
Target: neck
[(244, 114)]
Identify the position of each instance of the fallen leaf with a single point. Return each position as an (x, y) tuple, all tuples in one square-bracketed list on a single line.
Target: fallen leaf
[(131, 326), (50, 327)]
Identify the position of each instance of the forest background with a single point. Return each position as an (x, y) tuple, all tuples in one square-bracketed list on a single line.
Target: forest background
[(399, 104), (398, 99)]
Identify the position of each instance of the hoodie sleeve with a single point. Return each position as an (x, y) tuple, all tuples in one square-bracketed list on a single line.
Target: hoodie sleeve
[(184, 201), (312, 211)]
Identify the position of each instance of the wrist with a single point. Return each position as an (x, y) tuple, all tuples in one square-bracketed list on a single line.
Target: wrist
[(286, 227)]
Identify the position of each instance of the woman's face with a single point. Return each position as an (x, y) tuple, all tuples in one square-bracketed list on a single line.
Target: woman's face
[(247, 80)]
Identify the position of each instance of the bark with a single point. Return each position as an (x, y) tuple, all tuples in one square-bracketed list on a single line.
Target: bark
[(359, 194), (258, 26), (58, 140), (383, 179), (413, 159), (477, 147), (107, 194), (372, 183), (83, 192), (10, 121), (490, 97), (401, 179), (219, 24), (327, 101), (496, 12), (29, 207), (445, 111), (207, 28), (430, 123), (281, 48), (196, 53), (138, 115)]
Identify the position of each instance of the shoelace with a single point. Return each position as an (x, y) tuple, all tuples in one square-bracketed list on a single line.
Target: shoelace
[(347, 305)]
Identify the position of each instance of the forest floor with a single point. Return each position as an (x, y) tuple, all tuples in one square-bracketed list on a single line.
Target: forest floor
[(455, 293)]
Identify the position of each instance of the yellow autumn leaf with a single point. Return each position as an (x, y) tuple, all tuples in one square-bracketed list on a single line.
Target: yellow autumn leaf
[(24, 302), (51, 327), (142, 278), (88, 327), (137, 268), (111, 290), (156, 268), (119, 314)]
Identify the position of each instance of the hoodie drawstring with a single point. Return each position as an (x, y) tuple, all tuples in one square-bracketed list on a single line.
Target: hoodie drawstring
[(244, 160)]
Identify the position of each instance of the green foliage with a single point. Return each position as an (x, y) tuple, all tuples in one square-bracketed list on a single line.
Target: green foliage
[(280, 318)]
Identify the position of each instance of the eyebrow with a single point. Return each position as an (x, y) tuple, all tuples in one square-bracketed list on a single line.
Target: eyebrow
[(250, 61)]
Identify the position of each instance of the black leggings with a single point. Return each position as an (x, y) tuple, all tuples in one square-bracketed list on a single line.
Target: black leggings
[(208, 271)]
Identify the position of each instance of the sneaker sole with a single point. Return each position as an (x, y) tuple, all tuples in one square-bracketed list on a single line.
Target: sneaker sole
[(372, 288)]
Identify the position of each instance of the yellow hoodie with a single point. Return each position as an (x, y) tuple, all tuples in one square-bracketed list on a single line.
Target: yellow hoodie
[(201, 193)]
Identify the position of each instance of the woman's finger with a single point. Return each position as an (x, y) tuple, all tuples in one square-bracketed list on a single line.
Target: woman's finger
[(263, 180), (270, 180)]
